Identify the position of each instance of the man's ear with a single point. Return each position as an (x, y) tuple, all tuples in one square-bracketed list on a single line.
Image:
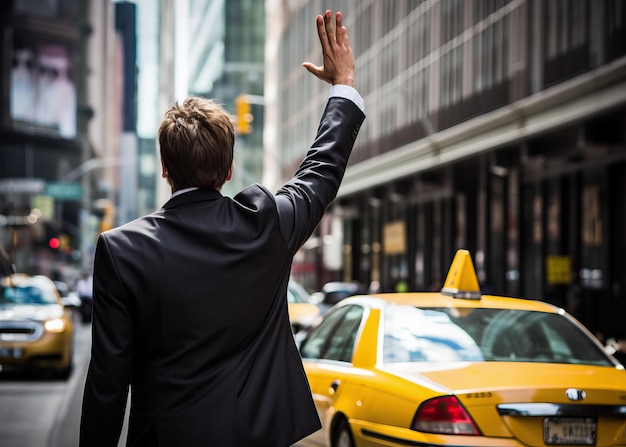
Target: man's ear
[(163, 170), (230, 172)]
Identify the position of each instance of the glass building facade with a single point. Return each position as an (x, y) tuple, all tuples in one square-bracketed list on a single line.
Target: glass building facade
[(226, 42)]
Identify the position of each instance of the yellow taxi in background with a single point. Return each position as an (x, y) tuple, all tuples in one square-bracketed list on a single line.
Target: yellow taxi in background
[(36, 330), (302, 313), (456, 368)]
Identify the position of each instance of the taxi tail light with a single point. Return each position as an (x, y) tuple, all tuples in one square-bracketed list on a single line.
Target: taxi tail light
[(444, 415)]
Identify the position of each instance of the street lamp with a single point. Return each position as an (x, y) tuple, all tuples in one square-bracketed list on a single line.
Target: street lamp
[(91, 210), (91, 165)]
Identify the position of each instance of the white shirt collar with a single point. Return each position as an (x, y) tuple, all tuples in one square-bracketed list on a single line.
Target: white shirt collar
[(184, 190)]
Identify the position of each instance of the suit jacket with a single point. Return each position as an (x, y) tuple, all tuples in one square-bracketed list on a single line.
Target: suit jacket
[(190, 311)]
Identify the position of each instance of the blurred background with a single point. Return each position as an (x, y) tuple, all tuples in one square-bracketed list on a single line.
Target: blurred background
[(493, 125)]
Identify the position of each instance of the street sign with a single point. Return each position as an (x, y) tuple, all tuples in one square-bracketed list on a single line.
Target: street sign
[(22, 186), (65, 190)]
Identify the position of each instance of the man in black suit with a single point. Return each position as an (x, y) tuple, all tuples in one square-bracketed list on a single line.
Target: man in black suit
[(189, 303)]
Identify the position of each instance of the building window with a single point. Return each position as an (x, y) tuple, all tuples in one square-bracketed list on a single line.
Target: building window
[(593, 273), (452, 76), (43, 93), (484, 8), (491, 54), (389, 62), (415, 98), (363, 33), (532, 246), (418, 38), (412, 4), (615, 29), (512, 250), (389, 16), (452, 19), (616, 15), (566, 26)]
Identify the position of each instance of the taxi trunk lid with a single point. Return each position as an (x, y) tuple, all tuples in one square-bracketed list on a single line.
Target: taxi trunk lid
[(538, 403)]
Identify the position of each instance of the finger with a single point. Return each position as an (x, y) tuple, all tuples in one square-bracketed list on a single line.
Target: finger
[(321, 31), (339, 26), (328, 24), (314, 69), (342, 37)]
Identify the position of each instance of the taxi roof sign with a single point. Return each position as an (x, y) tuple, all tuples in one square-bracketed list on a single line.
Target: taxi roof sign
[(462, 281)]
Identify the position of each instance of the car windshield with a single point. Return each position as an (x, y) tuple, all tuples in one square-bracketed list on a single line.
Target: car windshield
[(293, 297), (26, 295), (296, 293), (413, 334)]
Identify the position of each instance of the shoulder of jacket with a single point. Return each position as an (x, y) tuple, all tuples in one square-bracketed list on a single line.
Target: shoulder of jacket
[(255, 197)]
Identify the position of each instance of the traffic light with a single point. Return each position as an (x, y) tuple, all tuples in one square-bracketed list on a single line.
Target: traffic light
[(244, 115), (65, 243), (54, 243), (61, 242), (104, 209)]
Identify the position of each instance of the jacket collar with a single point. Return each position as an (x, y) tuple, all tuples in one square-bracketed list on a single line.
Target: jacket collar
[(197, 195)]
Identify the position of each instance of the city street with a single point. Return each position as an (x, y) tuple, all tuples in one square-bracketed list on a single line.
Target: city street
[(441, 184)]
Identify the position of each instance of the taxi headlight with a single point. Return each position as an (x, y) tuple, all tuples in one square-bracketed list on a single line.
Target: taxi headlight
[(55, 325)]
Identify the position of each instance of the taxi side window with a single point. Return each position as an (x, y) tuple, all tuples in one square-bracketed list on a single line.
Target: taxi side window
[(313, 345), (334, 338), (341, 343)]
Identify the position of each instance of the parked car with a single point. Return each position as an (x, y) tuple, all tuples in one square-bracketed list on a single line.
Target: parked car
[(333, 292), (69, 298), (36, 329), (302, 313), (459, 368)]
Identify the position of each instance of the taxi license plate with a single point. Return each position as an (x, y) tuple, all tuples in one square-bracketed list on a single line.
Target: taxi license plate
[(569, 431)]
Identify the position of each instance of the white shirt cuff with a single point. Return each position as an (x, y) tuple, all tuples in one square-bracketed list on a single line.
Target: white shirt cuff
[(347, 92)]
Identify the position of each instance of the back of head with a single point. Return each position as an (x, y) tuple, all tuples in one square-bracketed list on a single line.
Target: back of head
[(196, 140)]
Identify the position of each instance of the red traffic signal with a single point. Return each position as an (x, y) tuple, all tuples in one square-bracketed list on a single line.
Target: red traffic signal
[(54, 243)]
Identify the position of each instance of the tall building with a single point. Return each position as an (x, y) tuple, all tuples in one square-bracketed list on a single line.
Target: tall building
[(125, 198), (98, 171), (46, 120), (68, 152), (225, 41), (243, 79), (497, 126)]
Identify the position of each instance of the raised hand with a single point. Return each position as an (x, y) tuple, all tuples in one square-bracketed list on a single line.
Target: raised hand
[(338, 62)]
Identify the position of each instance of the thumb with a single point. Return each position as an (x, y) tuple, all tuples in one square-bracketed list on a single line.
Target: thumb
[(314, 69)]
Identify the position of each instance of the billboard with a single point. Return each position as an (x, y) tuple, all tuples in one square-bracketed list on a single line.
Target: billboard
[(43, 88)]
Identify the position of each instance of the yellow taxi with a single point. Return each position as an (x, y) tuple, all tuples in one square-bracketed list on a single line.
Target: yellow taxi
[(302, 313), (458, 368), (36, 329)]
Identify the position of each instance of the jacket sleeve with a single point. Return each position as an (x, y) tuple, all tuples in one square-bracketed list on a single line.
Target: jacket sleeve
[(302, 201), (108, 376)]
